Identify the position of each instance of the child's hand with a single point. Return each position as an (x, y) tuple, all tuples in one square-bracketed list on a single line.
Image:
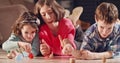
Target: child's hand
[(67, 49), (26, 46), (76, 54), (66, 45), (82, 54), (44, 48), (85, 54), (12, 54), (63, 42)]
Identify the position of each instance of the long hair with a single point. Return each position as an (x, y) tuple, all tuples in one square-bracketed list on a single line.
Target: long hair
[(58, 10), (27, 18)]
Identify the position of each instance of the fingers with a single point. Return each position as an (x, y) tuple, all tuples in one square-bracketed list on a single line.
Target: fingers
[(27, 47), (64, 41), (44, 42), (85, 54), (61, 41), (80, 54), (76, 54), (67, 50), (44, 48)]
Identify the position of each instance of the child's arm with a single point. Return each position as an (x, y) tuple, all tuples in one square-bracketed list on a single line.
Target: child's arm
[(35, 46), (14, 42), (11, 43), (87, 55), (66, 45), (95, 55), (45, 49)]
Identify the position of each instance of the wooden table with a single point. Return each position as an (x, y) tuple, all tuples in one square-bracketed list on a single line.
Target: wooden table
[(57, 59)]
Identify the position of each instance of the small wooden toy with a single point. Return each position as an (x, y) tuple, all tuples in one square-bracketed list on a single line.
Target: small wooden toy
[(72, 60)]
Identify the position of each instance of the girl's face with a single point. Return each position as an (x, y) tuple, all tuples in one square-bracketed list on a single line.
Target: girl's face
[(104, 29), (47, 14), (28, 32)]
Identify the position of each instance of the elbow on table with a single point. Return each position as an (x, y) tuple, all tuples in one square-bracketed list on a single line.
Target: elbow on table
[(5, 47)]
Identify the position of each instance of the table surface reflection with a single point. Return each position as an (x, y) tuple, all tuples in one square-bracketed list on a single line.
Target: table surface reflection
[(56, 59)]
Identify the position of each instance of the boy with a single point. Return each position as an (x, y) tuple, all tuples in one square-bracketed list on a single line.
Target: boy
[(102, 39)]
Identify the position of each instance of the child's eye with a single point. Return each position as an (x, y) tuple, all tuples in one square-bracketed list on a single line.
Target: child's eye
[(102, 27), (50, 12), (33, 32), (26, 32), (109, 28), (43, 14)]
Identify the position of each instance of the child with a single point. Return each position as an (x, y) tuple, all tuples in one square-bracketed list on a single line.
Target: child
[(102, 39), (24, 35), (57, 33)]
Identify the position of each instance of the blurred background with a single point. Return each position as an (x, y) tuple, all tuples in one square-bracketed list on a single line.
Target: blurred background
[(10, 10)]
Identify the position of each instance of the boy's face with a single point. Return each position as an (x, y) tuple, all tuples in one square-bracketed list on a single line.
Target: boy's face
[(104, 29), (28, 32)]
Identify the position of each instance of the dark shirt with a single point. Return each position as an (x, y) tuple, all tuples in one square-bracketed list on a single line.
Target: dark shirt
[(79, 37), (95, 43)]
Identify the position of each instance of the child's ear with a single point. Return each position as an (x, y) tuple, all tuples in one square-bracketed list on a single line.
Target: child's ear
[(95, 18)]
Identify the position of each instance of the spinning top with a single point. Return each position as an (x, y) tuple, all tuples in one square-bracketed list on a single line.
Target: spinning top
[(30, 56)]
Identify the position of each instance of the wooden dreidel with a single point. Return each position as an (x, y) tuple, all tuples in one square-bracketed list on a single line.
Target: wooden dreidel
[(103, 60), (72, 60)]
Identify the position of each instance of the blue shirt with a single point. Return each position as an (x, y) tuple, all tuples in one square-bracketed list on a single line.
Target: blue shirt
[(93, 42), (12, 43)]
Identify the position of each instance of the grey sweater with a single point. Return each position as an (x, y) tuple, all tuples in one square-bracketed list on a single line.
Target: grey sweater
[(12, 43)]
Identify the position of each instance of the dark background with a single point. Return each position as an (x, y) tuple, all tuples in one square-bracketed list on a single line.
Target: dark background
[(89, 7)]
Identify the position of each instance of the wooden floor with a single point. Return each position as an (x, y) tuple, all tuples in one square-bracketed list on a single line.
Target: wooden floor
[(63, 59)]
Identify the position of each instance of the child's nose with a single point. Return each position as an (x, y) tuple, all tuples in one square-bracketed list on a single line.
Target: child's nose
[(47, 16), (104, 31), (30, 35)]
